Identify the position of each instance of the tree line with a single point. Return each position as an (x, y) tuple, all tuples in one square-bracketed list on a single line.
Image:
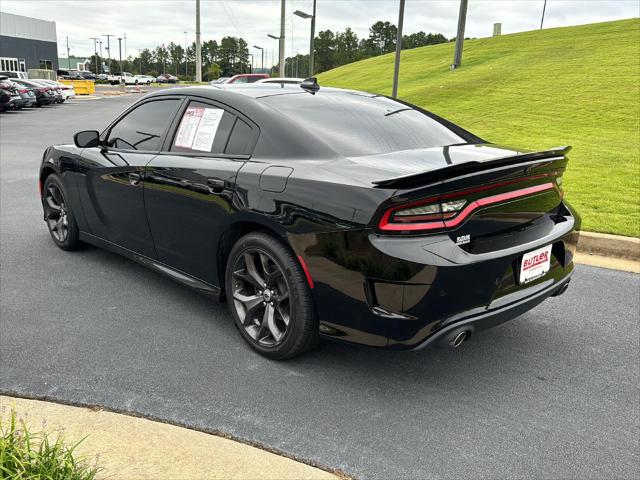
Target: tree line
[(231, 55)]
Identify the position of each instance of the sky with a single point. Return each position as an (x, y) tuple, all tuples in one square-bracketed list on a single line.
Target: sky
[(149, 23)]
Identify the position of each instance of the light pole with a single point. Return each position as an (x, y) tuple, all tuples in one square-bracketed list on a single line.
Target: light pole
[(186, 59), (262, 52), (140, 57), (108, 35), (95, 51), (198, 46), (68, 56), (462, 19), (280, 59), (313, 33), (281, 39), (120, 55), (101, 61), (396, 69)]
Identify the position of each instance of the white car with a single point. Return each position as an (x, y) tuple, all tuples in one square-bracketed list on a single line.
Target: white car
[(282, 80), (67, 90), (126, 78), (145, 79)]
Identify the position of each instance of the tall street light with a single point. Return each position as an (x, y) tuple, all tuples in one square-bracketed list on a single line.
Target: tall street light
[(198, 46), (186, 64), (95, 50), (281, 60), (101, 60), (544, 8), (262, 52), (313, 33), (120, 54), (396, 70), (281, 39), (108, 47)]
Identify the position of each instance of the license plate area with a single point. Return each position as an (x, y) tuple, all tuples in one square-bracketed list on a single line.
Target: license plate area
[(535, 264)]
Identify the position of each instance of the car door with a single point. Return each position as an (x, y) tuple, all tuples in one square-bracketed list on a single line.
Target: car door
[(189, 187), (112, 174)]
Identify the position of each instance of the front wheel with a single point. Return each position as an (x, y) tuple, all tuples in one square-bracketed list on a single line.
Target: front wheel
[(269, 297), (59, 216)]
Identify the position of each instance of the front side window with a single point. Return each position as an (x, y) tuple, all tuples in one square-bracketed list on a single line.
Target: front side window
[(144, 127)]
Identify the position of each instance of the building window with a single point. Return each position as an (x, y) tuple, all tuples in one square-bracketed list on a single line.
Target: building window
[(46, 65)]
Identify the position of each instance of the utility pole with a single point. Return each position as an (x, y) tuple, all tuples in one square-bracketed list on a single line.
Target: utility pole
[(125, 46), (108, 35), (544, 7), (95, 50), (396, 70), (140, 57), (198, 46), (281, 40), (68, 57), (462, 19)]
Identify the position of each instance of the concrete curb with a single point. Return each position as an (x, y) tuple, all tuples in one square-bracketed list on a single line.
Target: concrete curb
[(128, 447), (614, 246)]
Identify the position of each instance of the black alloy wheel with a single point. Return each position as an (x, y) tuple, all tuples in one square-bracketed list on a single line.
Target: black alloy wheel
[(269, 297), (60, 220)]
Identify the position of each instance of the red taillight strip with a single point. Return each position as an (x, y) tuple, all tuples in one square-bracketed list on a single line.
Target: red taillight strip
[(481, 202), (303, 264)]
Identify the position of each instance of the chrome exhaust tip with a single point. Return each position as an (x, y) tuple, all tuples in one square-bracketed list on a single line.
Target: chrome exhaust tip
[(458, 339)]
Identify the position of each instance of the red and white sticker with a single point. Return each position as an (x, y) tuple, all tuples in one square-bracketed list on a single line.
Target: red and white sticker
[(535, 264), (198, 128)]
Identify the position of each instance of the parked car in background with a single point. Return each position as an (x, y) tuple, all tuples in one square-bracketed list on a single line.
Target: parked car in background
[(67, 90), (282, 80), (126, 78), (247, 78), (145, 79), (218, 81), (167, 78), (15, 74), (69, 74), (44, 94), (28, 97), (11, 96), (55, 88), (87, 75), (102, 76)]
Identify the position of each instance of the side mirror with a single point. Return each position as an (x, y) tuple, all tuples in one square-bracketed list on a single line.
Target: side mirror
[(87, 139)]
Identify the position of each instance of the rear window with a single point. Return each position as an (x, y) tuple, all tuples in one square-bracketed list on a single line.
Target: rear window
[(356, 124)]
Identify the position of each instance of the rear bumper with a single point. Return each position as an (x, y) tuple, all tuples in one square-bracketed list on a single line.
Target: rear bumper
[(407, 293)]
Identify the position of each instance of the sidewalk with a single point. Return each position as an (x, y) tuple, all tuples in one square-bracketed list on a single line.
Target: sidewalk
[(136, 448)]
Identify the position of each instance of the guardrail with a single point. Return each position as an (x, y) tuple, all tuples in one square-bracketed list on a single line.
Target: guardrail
[(81, 87)]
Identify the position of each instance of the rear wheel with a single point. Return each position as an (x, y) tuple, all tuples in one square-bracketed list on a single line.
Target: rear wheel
[(58, 215), (269, 297)]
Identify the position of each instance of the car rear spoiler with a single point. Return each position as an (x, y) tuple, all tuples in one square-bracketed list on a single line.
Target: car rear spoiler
[(451, 171)]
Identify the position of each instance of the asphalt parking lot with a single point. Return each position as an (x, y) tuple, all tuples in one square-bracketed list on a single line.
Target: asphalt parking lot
[(554, 394)]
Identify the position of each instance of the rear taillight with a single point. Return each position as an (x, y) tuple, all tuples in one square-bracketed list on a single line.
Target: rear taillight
[(449, 211), (23, 91), (42, 90)]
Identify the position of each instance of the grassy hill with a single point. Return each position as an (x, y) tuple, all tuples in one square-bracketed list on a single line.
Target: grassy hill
[(576, 86)]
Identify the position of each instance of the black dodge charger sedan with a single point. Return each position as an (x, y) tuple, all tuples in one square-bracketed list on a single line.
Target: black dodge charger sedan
[(319, 212)]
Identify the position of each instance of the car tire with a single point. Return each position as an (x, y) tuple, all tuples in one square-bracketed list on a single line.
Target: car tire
[(59, 217), (277, 318)]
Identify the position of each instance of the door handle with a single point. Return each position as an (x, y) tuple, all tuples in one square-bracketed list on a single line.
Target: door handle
[(134, 178), (216, 185)]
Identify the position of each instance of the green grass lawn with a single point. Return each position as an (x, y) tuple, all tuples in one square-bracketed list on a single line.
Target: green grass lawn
[(576, 86)]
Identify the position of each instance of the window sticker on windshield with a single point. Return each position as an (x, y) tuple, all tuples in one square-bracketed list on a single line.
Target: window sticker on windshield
[(198, 128)]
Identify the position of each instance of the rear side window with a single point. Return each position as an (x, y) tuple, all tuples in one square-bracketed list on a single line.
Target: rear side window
[(241, 140), (356, 124), (144, 127), (203, 128)]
